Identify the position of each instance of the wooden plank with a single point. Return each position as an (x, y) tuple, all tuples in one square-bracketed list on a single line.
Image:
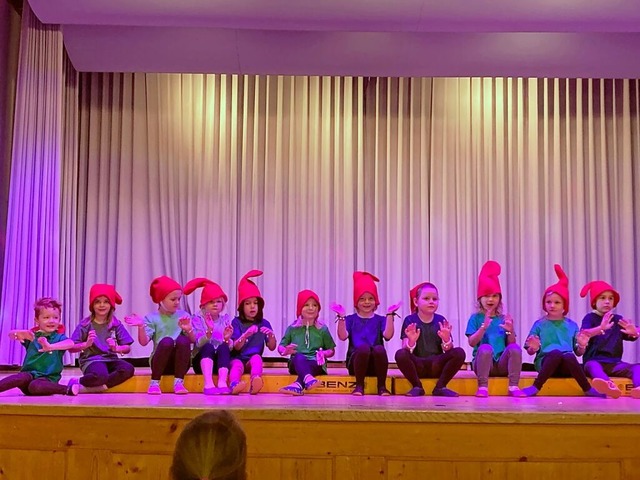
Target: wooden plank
[(16, 464), (356, 467)]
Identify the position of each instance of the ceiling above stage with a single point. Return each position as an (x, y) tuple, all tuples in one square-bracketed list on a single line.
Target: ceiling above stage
[(554, 38)]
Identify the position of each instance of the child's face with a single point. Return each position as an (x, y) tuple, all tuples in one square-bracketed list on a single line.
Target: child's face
[(427, 301), (310, 310), (171, 302), (214, 307), (101, 306), (605, 301), (250, 307), (554, 305), (490, 302), (48, 320), (366, 304)]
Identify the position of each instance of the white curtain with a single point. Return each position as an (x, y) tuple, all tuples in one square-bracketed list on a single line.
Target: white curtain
[(311, 178)]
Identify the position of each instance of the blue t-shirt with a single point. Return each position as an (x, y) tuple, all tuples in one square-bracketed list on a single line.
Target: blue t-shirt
[(428, 343), (554, 335), (363, 331), (605, 348), (255, 343), (494, 335)]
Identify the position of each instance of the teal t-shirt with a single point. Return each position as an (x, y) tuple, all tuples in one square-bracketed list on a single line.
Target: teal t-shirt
[(44, 364), (309, 343), (494, 335), (554, 335), (158, 326)]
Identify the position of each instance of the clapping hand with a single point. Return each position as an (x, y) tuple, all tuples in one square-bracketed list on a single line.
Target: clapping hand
[(444, 332), (185, 324), (627, 327), (507, 326), (533, 343), (44, 343), (412, 332), (394, 308), (134, 320), (91, 337), (112, 344), (607, 320), (290, 349), (338, 309), (582, 339)]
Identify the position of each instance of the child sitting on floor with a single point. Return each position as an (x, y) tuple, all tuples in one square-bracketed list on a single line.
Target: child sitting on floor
[(309, 343), (607, 331), (555, 340), (42, 367)]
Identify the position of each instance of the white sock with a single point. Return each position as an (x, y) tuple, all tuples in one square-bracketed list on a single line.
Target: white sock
[(154, 383), (513, 388)]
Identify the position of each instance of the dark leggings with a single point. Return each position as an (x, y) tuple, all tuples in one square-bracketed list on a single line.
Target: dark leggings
[(369, 360), (30, 386), (221, 357), (171, 357), (109, 373), (302, 366), (443, 366), (559, 364)]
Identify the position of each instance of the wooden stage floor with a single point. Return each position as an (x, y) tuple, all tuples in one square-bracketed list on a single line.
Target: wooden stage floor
[(131, 436)]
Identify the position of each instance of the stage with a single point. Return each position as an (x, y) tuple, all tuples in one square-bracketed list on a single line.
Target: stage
[(131, 436)]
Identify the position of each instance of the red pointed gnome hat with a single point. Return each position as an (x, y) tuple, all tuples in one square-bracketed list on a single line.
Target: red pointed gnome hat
[(413, 293), (210, 291), (597, 288), (303, 296), (488, 282), (561, 288), (104, 290), (161, 287), (248, 289), (364, 282)]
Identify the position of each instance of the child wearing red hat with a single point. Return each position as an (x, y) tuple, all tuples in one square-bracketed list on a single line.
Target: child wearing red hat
[(427, 347), (171, 332), (607, 331), (251, 332), (556, 340), (308, 342), (491, 334), (100, 337), (366, 332), (212, 327), (45, 346)]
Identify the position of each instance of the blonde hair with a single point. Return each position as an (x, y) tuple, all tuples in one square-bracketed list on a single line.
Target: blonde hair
[(212, 446)]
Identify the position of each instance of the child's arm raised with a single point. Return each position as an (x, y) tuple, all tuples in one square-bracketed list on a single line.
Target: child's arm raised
[(21, 335), (50, 347), (389, 327), (475, 338), (271, 338), (137, 321)]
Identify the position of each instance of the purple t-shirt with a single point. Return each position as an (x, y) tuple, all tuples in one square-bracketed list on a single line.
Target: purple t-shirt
[(363, 331), (99, 351)]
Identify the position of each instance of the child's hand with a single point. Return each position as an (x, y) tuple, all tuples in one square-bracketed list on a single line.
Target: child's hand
[(339, 309), (507, 326), (185, 324), (445, 331), (320, 359), (44, 343), (627, 327), (394, 308), (582, 339), (290, 349), (533, 343), (487, 321), (607, 320), (253, 329), (91, 337), (412, 332), (112, 344), (228, 331), (22, 335), (134, 320), (267, 331)]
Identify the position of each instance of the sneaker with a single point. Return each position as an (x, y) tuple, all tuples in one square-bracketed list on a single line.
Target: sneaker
[(73, 387), (444, 392), (416, 392), (211, 391), (530, 391), (383, 392), (311, 384), (358, 391), (154, 389), (236, 387), (635, 393), (482, 392), (294, 389), (592, 392), (516, 392), (179, 388), (256, 385), (98, 389), (605, 387)]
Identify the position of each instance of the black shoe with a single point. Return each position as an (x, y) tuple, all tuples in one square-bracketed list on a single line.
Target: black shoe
[(415, 392), (444, 392)]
